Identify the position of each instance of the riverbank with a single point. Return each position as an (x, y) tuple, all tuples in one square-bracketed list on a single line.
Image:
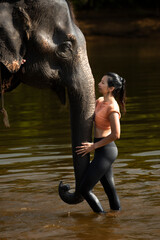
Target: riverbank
[(124, 23)]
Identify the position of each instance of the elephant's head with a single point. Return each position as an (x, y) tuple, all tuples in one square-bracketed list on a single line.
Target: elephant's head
[(44, 33)]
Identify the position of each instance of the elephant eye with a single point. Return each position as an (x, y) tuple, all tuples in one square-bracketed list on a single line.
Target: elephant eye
[(67, 45), (64, 49)]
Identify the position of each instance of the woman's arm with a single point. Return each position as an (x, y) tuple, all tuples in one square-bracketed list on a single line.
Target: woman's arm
[(115, 134)]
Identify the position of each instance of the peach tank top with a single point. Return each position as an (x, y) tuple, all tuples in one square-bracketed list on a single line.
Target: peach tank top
[(102, 112)]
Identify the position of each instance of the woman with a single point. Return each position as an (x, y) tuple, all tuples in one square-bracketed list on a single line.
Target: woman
[(106, 131)]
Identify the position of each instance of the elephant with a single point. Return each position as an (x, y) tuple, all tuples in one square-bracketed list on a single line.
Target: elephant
[(44, 36)]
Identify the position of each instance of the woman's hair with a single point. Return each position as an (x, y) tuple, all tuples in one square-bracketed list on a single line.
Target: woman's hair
[(119, 92)]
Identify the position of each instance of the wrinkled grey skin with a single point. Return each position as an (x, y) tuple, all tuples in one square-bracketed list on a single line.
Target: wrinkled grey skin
[(44, 33)]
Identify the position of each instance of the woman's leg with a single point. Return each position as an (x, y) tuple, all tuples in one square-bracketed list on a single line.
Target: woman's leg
[(99, 169), (96, 170), (93, 175), (107, 182)]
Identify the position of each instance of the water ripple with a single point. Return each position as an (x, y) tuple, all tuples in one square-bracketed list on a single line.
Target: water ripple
[(149, 153)]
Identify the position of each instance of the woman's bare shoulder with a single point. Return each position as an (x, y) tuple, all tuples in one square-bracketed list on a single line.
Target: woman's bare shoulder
[(100, 99)]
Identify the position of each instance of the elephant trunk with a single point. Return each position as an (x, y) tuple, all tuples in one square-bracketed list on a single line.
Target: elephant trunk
[(82, 107)]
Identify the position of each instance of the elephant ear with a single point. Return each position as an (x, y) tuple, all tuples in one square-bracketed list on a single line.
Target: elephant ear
[(15, 26)]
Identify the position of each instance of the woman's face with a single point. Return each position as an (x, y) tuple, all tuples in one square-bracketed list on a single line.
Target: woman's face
[(103, 85)]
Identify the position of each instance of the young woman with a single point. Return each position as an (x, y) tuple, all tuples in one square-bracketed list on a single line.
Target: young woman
[(106, 131)]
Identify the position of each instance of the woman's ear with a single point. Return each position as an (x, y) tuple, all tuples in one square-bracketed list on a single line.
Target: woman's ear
[(111, 89)]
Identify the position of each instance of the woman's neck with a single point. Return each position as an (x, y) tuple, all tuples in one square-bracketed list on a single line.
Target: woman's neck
[(108, 98)]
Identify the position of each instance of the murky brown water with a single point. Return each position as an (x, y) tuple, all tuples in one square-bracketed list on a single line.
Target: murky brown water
[(35, 154)]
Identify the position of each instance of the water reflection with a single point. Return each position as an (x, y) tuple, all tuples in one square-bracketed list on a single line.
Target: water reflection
[(35, 154)]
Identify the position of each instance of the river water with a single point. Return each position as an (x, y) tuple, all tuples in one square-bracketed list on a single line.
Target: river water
[(35, 154)]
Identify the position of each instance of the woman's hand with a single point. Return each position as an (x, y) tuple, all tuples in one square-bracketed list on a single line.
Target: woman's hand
[(85, 148)]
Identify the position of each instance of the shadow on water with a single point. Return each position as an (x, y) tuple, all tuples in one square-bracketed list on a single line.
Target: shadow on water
[(35, 154)]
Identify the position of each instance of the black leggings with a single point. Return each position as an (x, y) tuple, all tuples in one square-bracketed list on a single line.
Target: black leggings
[(101, 169)]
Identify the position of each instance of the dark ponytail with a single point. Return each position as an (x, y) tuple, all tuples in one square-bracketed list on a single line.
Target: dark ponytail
[(119, 91)]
